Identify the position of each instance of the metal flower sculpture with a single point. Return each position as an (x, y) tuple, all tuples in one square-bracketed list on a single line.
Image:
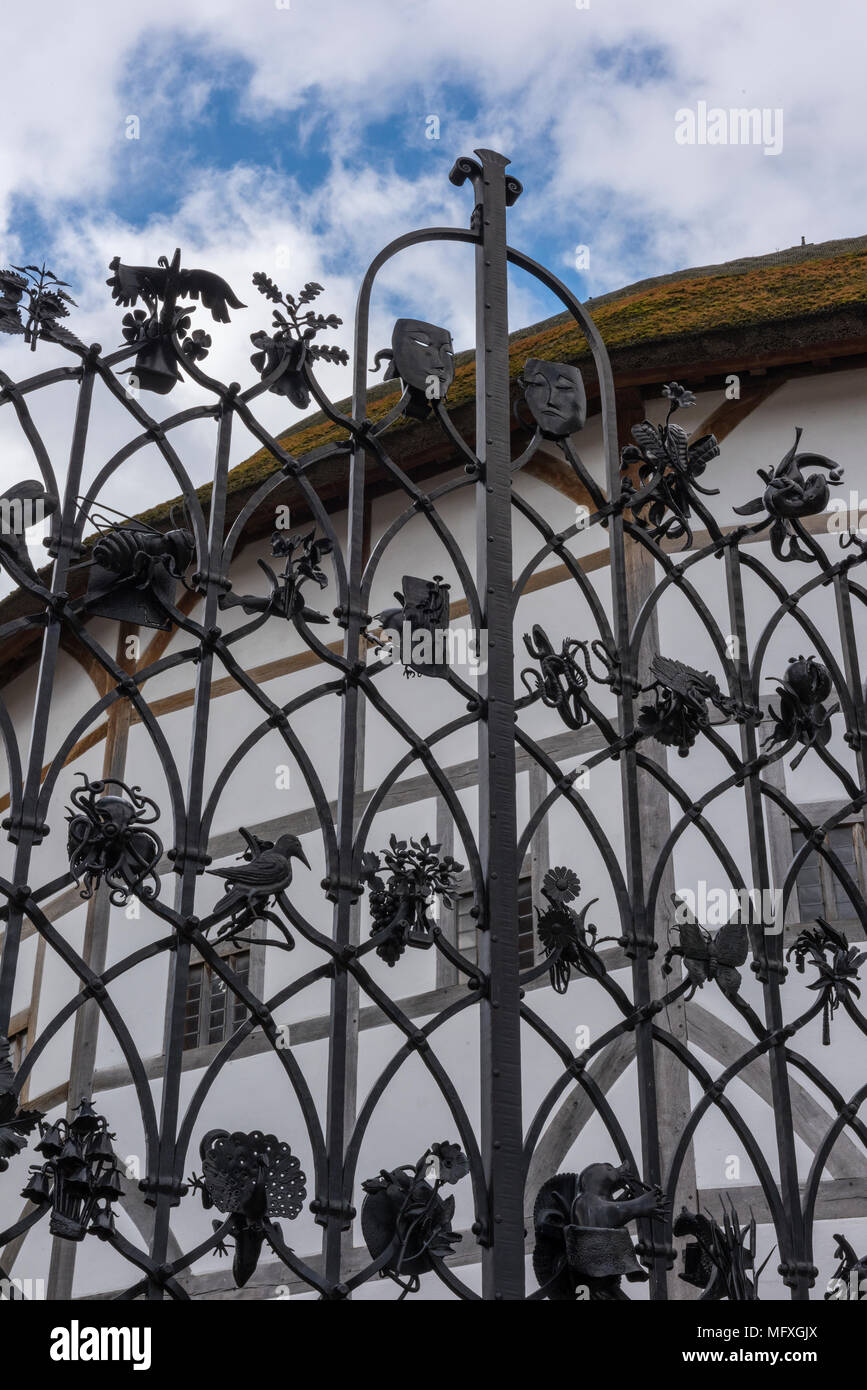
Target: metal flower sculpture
[(80, 1178), (15, 1124), (160, 287), (789, 496), (849, 1281), (422, 356), (668, 464), (135, 570), (109, 840), (836, 963), (253, 1178), (709, 957), (290, 344), (399, 905), (680, 709), (803, 714), (286, 599), (265, 872), (22, 505), (46, 304), (568, 944), (721, 1260), (404, 1220), (562, 683), (419, 628), (583, 1248)]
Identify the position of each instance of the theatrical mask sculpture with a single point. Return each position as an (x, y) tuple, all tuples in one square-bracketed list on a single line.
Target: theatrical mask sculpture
[(555, 397), (422, 356)]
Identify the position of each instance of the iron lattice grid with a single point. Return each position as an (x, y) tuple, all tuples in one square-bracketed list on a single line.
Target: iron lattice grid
[(499, 1155)]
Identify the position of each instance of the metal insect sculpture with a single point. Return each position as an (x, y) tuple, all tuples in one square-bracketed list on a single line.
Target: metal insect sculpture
[(46, 305), (282, 354), (159, 287), (286, 599), (253, 1178), (849, 1280), (681, 698), (721, 1260), (583, 1248), (422, 356), (667, 464), (109, 840), (836, 963), (22, 505), (418, 631), (405, 1222), (400, 904), (264, 873), (803, 716), (15, 1123), (135, 570), (789, 496), (81, 1177), (567, 943), (708, 956)]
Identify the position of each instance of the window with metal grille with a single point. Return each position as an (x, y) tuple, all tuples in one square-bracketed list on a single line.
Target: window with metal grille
[(820, 891), (212, 1012), (467, 940)]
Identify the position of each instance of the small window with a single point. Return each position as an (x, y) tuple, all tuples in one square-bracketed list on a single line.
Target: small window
[(212, 1011), (820, 891), (467, 941)]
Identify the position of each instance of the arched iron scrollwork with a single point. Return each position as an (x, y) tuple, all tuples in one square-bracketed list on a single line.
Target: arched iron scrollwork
[(177, 578)]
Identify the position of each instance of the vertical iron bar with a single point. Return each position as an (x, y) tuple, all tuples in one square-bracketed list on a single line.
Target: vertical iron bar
[(503, 1254)]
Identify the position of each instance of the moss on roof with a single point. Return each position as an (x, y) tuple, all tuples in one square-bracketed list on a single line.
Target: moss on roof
[(675, 309)]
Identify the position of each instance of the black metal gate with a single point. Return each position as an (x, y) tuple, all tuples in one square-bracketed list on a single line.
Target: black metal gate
[(651, 499)]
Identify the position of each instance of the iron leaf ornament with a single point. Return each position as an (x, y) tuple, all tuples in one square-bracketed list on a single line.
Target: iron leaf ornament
[(302, 556), (159, 288), (404, 1217), (39, 314), (789, 496), (400, 903), (15, 1123), (110, 840), (252, 1178), (289, 345), (667, 464), (681, 696), (836, 964)]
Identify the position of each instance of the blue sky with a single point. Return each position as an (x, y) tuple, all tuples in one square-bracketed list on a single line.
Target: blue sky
[(291, 136)]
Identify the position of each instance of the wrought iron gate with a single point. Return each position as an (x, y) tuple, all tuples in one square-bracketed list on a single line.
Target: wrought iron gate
[(651, 499)]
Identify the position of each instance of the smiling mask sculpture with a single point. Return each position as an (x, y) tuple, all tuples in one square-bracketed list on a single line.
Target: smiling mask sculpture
[(422, 356), (555, 397)]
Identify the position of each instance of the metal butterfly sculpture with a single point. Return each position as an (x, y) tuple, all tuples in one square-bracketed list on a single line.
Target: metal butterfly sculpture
[(707, 956)]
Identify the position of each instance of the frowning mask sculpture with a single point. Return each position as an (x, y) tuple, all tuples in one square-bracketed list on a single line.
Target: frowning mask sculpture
[(582, 1246), (252, 1178), (422, 356), (109, 840), (555, 396), (404, 1219)]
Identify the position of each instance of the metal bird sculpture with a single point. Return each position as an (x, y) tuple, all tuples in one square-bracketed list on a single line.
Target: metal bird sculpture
[(15, 1124), (166, 281), (252, 1178), (265, 871)]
